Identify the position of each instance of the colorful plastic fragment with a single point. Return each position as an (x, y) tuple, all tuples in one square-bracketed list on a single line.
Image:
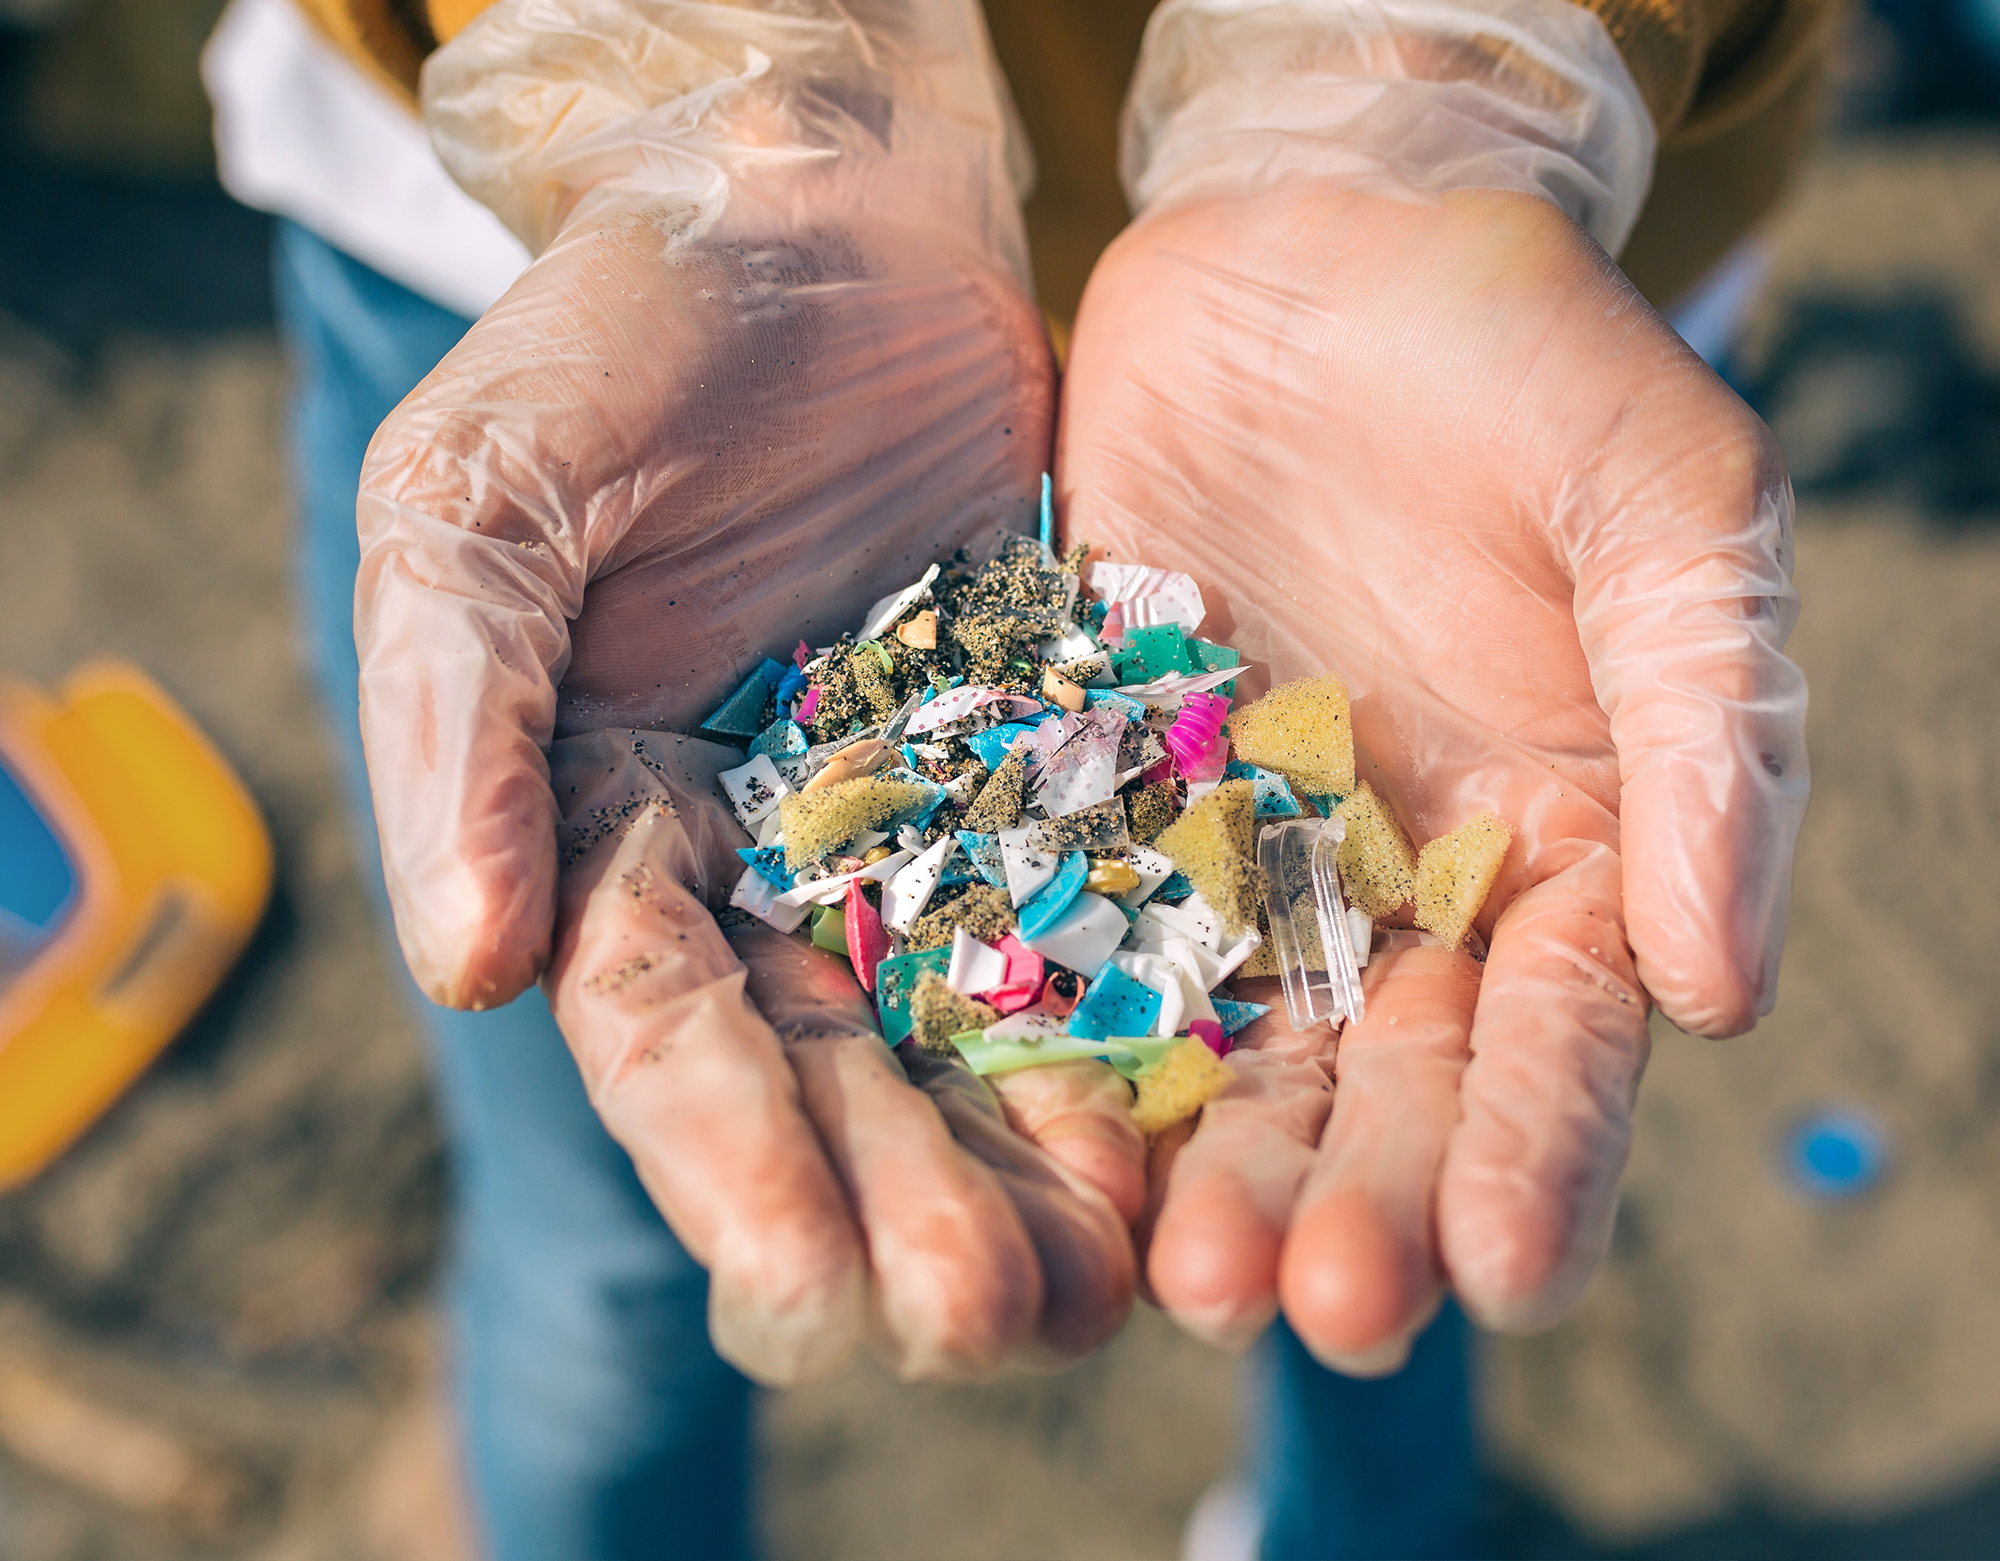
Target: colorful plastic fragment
[(1273, 795), (992, 744), (741, 715), (983, 851), (769, 861), (1150, 653), (830, 928), (1197, 733), (905, 895), (975, 967), (1022, 985), (1045, 907), (1211, 1035), (1089, 931), (1115, 1004), (867, 939), (896, 979), (1234, 1016)]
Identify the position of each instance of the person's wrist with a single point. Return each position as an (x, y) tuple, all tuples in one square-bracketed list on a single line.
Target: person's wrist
[(1404, 98)]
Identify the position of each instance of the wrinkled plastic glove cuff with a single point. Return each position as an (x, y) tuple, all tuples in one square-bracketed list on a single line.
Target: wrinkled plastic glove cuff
[(1402, 98), (542, 105)]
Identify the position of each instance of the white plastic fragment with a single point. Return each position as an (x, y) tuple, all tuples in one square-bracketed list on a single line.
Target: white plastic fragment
[(1194, 988), (957, 703), (890, 608), (1028, 1024), (1086, 936), (1027, 868), (754, 790), (1153, 867), (1084, 770), (1360, 932), (833, 888), (1149, 595), (771, 828), (1168, 691), (905, 895), (759, 896), (975, 967), (1159, 973)]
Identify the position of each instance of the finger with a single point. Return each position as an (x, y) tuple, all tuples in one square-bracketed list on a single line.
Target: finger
[(1212, 1250), (461, 623), (1529, 1186), (1684, 600), (693, 1083), (1360, 1276), (1084, 1250), (1080, 1114), (957, 1283)]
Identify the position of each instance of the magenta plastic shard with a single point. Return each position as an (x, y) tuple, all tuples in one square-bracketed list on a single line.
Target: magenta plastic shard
[(867, 938)]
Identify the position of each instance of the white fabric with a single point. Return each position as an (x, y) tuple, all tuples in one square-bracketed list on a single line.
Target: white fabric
[(302, 131)]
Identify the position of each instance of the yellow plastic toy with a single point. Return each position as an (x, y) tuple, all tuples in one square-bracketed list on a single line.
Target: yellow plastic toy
[(133, 869)]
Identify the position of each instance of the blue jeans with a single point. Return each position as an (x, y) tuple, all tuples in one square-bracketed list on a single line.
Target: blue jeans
[(597, 1421)]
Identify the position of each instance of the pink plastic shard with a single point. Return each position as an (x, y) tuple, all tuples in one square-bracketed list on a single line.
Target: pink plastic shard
[(1209, 1033), (1196, 735), (808, 704), (802, 655), (1024, 977), (867, 938), (1113, 630)]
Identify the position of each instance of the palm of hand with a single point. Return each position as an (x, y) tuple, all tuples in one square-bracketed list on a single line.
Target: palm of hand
[(1448, 453)]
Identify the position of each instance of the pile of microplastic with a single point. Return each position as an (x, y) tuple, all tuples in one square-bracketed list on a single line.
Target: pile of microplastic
[(1013, 805)]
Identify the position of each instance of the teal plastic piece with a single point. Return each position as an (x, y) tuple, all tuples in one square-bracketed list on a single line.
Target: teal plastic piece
[(770, 864), (782, 739), (1152, 653), (895, 980), (983, 851), (1115, 1005), (38, 881), (1048, 514), (992, 744), (1044, 908), (1234, 1016), (1174, 890), (1273, 793), (1130, 1055), (1213, 658), (741, 715)]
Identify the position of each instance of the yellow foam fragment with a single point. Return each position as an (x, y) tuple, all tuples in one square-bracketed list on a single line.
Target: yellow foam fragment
[(814, 822), (1455, 873), (1304, 731), (998, 805), (1178, 1086), (1151, 810), (1378, 865), (1212, 842), (937, 1013)]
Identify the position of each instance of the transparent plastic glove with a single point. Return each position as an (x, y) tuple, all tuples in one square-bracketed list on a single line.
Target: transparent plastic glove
[(1432, 440), (777, 352), (830, 1199)]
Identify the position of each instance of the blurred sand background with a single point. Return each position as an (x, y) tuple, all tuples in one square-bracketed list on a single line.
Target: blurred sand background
[(215, 1337)]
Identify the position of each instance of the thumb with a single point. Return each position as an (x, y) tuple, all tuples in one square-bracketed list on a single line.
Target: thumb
[(460, 617)]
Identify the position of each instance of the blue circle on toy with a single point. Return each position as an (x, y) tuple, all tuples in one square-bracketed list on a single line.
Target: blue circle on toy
[(1836, 1154)]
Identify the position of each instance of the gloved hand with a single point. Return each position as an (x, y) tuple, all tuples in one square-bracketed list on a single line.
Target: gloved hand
[(777, 349), (1360, 369)]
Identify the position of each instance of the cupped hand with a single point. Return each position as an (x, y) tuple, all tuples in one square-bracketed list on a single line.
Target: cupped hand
[(778, 356), (1443, 448)]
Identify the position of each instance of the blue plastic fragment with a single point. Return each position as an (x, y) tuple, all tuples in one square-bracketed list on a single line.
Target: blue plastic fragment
[(1325, 803), (920, 814), (1115, 1004), (1836, 1154), (1272, 792), (1109, 698), (1234, 1016), (1174, 890), (790, 685), (770, 864), (992, 744), (1048, 513), (742, 713), (782, 739), (1094, 615), (1044, 908), (983, 851)]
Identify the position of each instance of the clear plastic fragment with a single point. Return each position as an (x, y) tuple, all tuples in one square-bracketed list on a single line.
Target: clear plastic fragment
[(1311, 944)]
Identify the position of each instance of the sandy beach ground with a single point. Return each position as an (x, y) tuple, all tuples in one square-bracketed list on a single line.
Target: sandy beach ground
[(215, 1319)]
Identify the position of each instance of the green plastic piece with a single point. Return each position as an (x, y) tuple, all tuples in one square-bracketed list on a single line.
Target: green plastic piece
[(1213, 658), (830, 928), (1151, 653), (1130, 1055), (895, 980)]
